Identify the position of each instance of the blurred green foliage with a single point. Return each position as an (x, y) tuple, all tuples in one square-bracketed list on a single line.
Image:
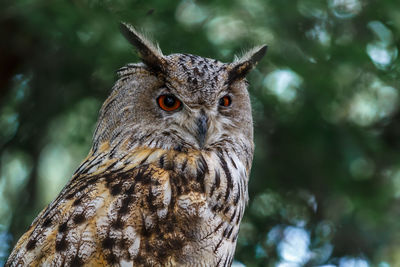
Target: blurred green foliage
[(325, 184)]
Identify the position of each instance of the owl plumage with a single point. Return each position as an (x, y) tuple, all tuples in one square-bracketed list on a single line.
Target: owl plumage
[(165, 183)]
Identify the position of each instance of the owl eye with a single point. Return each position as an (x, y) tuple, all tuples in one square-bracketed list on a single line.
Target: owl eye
[(168, 102), (225, 101)]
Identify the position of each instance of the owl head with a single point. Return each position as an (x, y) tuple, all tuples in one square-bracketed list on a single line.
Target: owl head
[(179, 101)]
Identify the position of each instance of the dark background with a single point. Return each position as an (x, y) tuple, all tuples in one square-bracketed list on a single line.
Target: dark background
[(325, 184)]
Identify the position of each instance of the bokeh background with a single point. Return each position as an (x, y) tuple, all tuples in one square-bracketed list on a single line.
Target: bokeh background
[(325, 184)]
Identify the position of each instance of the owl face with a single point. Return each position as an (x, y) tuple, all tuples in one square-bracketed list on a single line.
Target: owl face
[(179, 101), (196, 103)]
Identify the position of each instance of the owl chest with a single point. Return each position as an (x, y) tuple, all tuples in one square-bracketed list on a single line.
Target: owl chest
[(207, 210), (183, 209), (211, 186)]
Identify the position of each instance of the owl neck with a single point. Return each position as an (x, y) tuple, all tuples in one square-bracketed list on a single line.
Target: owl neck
[(219, 172)]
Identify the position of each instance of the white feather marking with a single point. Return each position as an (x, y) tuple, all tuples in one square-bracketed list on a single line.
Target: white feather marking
[(93, 169), (124, 263), (131, 234), (167, 193), (161, 213), (87, 247), (118, 165), (193, 204), (148, 221), (155, 156)]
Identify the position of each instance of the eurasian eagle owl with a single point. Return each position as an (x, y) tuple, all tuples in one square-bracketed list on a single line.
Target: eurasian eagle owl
[(165, 182)]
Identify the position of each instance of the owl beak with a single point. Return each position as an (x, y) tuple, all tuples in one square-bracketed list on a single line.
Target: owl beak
[(202, 128)]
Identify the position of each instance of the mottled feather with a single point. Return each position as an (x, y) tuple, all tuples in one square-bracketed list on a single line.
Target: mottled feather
[(158, 188)]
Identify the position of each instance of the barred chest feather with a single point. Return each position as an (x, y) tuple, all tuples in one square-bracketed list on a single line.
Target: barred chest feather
[(150, 207)]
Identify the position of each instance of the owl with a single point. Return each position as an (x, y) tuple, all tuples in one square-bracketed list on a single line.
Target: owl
[(165, 182)]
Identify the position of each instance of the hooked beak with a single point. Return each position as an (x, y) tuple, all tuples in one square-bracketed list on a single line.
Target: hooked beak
[(202, 128)]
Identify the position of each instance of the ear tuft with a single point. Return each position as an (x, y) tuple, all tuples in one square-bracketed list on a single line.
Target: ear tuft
[(242, 66), (150, 53)]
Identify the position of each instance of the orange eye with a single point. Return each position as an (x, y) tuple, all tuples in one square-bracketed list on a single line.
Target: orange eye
[(225, 101), (168, 102)]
